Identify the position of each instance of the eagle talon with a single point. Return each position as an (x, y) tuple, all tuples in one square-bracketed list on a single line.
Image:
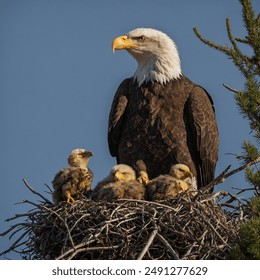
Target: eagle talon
[(70, 199)]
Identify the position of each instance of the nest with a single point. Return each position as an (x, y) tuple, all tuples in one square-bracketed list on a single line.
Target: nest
[(181, 228)]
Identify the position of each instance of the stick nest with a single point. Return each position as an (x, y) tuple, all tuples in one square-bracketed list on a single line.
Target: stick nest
[(181, 228)]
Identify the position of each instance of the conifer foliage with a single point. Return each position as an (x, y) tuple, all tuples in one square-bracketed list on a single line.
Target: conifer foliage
[(248, 101)]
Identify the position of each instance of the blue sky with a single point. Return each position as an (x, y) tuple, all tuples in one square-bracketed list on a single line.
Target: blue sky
[(58, 77)]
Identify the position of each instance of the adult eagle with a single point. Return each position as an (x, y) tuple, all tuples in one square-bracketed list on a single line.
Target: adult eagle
[(159, 115)]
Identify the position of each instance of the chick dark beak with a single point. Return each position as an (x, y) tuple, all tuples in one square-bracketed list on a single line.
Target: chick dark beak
[(189, 175), (87, 154)]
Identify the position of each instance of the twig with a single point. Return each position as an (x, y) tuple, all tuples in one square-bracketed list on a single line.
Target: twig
[(16, 243), (77, 249), (23, 225), (49, 188), (210, 43), (233, 197), (224, 175), (16, 216), (191, 247), (169, 247), (35, 192), (148, 244), (242, 167), (153, 203), (211, 226), (243, 190), (230, 206), (231, 89), (216, 181)]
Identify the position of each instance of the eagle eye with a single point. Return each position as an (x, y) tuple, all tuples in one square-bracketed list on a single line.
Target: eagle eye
[(141, 38)]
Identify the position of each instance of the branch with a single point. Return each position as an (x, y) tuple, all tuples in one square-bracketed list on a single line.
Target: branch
[(16, 243), (169, 247), (242, 40), (231, 89), (148, 244), (243, 190), (82, 248), (223, 175), (231, 38), (242, 167), (151, 202), (217, 180), (35, 192), (225, 50)]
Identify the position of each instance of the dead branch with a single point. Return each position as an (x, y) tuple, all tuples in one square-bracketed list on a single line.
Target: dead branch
[(174, 254), (231, 89), (148, 244), (35, 192), (225, 174)]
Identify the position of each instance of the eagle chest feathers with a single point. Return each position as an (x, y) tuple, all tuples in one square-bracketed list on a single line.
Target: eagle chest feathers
[(155, 110), (154, 124)]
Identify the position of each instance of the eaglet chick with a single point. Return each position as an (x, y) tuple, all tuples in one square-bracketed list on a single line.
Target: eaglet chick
[(168, 186), (120, 183), (73, 182)]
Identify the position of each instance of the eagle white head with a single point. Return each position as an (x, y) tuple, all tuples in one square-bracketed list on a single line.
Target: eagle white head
[(156, 54)]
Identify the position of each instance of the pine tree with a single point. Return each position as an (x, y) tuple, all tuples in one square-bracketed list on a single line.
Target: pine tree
[(248, 100), (247, 245)]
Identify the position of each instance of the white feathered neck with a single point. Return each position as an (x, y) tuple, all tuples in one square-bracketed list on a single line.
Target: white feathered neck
[(157, 57)]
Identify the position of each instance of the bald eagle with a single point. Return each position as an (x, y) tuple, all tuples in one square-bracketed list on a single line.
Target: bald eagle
[(160, 116), (74, 181), (179, 180), (120, 183)]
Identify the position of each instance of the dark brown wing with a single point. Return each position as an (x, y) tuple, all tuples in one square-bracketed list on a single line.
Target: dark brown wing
[(116, 116), (60, 179), (202, 134)]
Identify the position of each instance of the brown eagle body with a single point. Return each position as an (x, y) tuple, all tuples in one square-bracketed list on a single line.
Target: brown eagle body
[(162, 123)]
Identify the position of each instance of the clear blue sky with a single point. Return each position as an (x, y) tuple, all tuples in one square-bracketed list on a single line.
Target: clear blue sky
[(58, 77)]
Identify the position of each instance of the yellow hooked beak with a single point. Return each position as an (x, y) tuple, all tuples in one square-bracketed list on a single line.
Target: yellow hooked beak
[(188, 174), (119, 176), (123, 42)]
